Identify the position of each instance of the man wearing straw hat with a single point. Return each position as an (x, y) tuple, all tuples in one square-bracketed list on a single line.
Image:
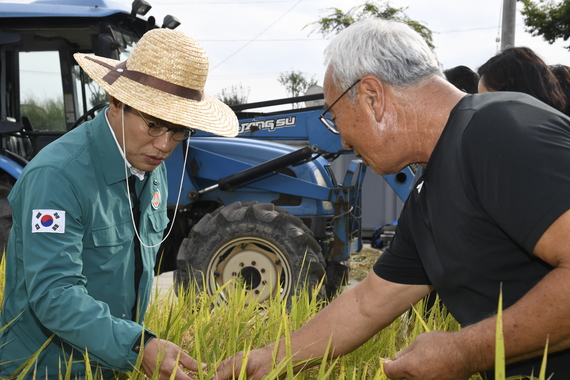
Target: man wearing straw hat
[(489, 216), (90, 214)]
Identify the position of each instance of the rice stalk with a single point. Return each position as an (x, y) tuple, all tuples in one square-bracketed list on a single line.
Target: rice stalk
[(500, 372), (210, 331)]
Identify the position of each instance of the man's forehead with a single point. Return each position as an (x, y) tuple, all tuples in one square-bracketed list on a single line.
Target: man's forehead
[(155, 120)]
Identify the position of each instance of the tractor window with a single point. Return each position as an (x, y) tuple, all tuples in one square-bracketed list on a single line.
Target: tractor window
[(93, 94), (127, 41), (41, 92)]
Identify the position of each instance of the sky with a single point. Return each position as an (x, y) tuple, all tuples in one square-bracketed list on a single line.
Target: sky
[(251, 42)]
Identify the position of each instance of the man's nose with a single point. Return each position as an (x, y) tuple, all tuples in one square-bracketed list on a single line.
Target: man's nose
[(164, 142)]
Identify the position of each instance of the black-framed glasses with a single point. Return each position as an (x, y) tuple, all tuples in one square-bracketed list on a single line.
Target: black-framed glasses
[(328, 122), (156, 130)]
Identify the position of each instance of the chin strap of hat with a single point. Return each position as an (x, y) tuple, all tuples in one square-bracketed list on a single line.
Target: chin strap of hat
[(120, 70)]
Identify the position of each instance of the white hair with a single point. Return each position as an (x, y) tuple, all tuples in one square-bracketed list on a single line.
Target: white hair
[(389, 50)]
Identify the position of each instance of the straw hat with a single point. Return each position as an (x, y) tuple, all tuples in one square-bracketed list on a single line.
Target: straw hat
[(164, 77)]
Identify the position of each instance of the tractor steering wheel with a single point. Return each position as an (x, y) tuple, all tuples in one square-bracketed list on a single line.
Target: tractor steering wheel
[(89, 114)]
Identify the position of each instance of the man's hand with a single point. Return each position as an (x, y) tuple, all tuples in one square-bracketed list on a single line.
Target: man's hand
[(171, 356), (433, 355), (258, 365)]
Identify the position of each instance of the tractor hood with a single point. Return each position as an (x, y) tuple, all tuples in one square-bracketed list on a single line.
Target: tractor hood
[(63, 8)]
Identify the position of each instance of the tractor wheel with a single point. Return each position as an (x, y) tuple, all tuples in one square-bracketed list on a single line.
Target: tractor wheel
[(337, 278), (270, 250)]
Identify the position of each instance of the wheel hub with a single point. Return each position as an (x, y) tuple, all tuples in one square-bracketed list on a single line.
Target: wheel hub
[(261, 267), (258, 272)]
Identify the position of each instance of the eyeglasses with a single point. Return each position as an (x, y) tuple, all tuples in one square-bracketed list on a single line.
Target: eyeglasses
[(178, 134), (328, 122)]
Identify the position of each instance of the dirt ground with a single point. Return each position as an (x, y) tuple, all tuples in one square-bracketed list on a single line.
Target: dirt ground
[(361, 262)]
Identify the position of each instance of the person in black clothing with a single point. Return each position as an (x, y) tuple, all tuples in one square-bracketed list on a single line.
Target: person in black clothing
[(562, 73), (463, 78), (520, 69), (490, 214)]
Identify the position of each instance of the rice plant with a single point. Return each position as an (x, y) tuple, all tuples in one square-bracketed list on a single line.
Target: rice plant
[(210, 331)]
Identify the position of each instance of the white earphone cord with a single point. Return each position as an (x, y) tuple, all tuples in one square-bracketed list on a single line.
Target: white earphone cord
[(129, 190)]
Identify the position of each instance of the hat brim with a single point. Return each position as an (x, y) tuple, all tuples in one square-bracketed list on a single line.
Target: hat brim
[(209, 114)]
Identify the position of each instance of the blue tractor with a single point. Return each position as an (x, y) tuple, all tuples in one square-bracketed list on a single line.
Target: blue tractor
[(264, 207)]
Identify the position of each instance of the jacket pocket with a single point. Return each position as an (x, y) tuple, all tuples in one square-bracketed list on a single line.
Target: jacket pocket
[(112, 236), (158, 221)]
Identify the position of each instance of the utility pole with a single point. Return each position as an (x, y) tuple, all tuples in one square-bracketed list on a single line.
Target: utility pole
[(508, 23)]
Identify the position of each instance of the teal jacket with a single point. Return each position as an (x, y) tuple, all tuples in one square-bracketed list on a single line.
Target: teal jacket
[(70, 260)]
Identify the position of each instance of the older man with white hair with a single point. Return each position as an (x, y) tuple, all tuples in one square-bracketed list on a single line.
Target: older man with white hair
[(489, 215)]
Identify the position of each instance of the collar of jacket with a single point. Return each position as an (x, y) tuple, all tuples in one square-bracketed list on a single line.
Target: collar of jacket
[(112, 161)]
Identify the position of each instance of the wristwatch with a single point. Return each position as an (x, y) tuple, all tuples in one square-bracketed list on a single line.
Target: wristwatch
[(143, 338)]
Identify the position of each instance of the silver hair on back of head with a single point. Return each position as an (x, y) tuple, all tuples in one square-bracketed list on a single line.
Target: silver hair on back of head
[(389, 50)]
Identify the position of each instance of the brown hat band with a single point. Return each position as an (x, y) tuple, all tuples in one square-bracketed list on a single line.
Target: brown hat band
[(148, 80)]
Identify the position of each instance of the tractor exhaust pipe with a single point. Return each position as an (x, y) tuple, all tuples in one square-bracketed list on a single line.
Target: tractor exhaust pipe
[(260, 170)]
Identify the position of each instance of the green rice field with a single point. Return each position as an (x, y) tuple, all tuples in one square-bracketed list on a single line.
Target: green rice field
[(211, 331)]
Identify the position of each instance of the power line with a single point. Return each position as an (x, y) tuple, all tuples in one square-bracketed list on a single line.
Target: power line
[(254, 38), (469, 30), (326, 39), (269, 40), (231, 2)]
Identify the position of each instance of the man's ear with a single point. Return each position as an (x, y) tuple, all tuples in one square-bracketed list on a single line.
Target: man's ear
[(115, 105), (373, 95)]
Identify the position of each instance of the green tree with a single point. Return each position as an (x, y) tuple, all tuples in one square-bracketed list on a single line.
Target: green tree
[(296, 84), (235, 95), (98, 97), (549, 19), (96, 94), (337, 20), (48, 115)]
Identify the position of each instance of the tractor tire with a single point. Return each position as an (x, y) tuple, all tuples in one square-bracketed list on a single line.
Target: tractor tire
[(337, 278), (270, 250)]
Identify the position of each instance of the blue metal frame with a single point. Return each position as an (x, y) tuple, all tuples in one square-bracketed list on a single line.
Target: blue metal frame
[(212, 158), (347, 202), (401, 182), (10, 166), (64, 8), (303, 128)]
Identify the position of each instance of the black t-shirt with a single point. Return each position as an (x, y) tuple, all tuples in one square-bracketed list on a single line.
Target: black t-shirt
[(497, 179)]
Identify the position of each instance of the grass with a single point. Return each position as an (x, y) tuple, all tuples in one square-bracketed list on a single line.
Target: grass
[(2, 280), (210, 332)]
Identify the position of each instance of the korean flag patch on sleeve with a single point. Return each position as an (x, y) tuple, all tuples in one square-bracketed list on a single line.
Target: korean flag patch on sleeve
[(48, 221)]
